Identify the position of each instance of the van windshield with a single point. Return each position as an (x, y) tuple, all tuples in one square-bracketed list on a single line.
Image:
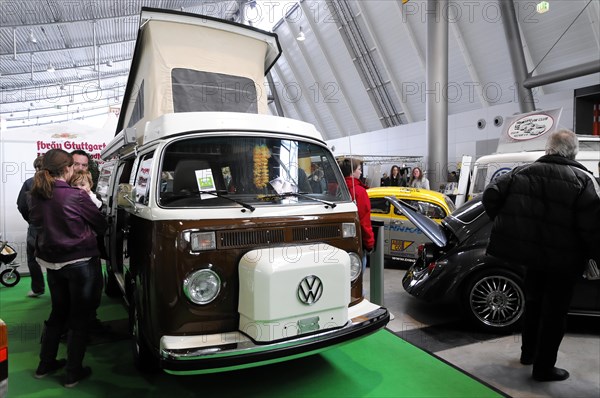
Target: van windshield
[(220, 171)]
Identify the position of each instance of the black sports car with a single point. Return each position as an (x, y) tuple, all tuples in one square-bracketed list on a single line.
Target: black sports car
[(455, 266)]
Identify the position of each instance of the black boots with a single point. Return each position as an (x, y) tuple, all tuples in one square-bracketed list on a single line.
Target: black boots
[(76, 376), (45, 368), (48, 351), (554, 374), (526, 359), (76, 345)]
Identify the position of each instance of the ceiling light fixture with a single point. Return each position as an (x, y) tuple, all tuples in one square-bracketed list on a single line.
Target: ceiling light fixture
[(109, 63), (301, 36), (542, 7), (62, 87), (32, 38), (50, 68)]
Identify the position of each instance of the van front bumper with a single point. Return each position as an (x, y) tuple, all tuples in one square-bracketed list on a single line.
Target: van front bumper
[(234, 350)]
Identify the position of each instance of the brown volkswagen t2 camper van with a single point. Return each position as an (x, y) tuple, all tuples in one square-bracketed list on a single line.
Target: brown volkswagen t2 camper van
[(224, 254)]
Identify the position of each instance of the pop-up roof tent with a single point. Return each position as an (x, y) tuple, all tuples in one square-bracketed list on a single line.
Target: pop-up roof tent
[(192, 63)]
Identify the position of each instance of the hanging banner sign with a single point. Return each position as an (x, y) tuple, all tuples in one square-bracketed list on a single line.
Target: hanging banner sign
[(529, 131)]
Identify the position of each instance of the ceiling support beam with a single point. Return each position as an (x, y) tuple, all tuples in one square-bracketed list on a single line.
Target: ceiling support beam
[(313, 109), (515, 48), (276, 68), (562, 74), (307, 59), (528, 58), (385, 62), (466, 56), (7, 95), (58, 50), (133, 17), (275, 95), (26, 85), (593, 12), (365, 64), (410, 33), (336, 75), (14, 44)]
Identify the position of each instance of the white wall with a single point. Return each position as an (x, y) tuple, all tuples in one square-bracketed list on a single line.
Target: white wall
[(18, 149), (464, 137)]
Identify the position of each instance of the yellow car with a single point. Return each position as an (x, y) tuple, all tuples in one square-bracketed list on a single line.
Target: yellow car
[(401, 237)]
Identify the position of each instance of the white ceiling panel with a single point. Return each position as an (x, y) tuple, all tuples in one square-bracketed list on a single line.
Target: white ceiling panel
[(362, 66)]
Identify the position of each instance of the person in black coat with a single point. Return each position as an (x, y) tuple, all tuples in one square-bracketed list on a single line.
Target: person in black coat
[(395, 179), (547, 217), (38, 287)]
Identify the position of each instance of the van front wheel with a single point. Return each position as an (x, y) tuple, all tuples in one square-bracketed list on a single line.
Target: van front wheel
[(111, 286), (143, 359)]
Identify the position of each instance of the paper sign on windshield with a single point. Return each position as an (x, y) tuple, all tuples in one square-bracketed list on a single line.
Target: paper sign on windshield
[(205, 181), (282, 186)]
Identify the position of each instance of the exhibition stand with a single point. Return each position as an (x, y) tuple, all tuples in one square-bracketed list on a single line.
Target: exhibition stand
[(380, 365)]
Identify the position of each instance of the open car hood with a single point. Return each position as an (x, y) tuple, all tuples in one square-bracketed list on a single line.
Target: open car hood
[(430, 228)]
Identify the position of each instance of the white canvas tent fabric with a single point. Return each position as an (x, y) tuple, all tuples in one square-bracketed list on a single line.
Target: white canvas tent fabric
[(168, 42)]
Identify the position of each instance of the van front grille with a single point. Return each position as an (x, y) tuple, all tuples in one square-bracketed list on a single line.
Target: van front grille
[(235, 239), (272, 236), (302, 234)]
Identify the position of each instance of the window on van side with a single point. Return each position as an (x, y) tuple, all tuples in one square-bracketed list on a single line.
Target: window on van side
[(142, 179), (137, 113), (102, 186), (480, 177)]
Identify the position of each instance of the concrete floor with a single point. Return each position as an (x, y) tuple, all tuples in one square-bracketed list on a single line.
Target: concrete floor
[(493, 359)]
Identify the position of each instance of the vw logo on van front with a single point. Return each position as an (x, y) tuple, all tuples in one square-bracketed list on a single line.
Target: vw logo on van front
[(310, 289)]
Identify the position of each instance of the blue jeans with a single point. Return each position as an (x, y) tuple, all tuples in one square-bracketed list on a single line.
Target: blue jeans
[(73, 291)]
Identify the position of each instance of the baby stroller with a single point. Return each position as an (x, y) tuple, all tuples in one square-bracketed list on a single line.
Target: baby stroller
[(10, 276)]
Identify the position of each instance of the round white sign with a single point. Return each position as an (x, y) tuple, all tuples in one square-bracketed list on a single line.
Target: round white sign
[(530, 126)]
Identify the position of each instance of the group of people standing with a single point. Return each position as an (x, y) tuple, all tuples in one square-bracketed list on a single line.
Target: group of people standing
[(352, 171), (65, 224), (545, 216), (399, 177)]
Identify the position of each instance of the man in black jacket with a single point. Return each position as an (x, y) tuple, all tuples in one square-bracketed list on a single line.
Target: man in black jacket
[(547, 217), (38, 286)]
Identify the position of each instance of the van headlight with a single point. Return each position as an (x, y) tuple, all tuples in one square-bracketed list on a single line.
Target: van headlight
[(202, 286), (355, 266), (200, 241), (348, 230)]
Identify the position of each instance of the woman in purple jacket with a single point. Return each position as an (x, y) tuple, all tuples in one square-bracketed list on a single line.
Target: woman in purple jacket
[(67, 223)]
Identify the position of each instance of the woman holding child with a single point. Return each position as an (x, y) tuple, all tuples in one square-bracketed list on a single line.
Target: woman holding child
[(67, 224)]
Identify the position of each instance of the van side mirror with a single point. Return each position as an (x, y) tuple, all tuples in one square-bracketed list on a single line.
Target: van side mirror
[(125, 196)]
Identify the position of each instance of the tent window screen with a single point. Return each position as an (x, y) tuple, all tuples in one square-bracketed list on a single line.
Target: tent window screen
[(138, 108), (196, 91)]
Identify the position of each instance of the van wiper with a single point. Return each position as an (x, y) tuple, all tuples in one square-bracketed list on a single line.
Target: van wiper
[(223, 194), (298, 195)]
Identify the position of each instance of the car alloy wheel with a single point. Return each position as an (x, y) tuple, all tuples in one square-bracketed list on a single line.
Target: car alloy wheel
[(496, 300)]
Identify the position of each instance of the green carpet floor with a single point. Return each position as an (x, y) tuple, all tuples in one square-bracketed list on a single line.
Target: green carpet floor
[(380, 365)]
